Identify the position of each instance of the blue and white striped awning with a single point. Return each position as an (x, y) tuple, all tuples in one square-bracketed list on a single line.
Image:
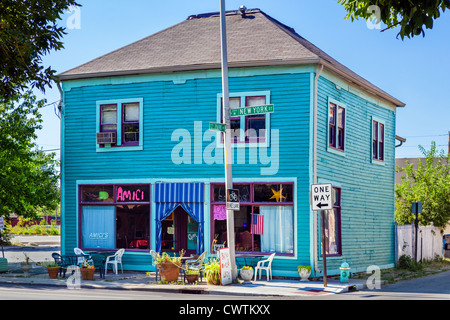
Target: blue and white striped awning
[(179, 192), (190, 196)]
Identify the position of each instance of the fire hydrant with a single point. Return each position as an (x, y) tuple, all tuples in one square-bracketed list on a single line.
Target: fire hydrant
[(345, 272)]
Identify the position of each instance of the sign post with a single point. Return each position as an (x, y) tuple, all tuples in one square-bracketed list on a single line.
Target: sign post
[(416, 207), (227, 138), (321, 200), (233, 200)]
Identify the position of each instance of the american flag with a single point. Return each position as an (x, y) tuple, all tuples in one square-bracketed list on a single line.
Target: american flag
[(257, 224)]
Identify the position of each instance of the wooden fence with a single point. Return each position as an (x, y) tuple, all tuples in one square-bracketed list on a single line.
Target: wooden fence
[(429, 242)]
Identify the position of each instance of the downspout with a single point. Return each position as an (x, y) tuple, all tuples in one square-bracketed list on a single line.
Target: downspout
[(316, 262), (60, 105)]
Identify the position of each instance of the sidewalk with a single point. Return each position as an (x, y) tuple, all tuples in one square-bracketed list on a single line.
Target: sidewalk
[(141, 281), (130, 280)]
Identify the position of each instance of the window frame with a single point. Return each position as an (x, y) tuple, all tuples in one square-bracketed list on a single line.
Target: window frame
[(120, 144), (115, 203), (242, 140), (337, 210), (378, 122), (334, 148), (252, 204)]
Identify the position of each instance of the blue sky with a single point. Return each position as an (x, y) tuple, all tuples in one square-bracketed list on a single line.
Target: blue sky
[(415, 71)]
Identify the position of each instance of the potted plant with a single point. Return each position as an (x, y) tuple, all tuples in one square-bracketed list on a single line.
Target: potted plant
[(52, 269), (192, 276), (246, 273), (212, 272), (169, 267), (87, 271), (304, 272)]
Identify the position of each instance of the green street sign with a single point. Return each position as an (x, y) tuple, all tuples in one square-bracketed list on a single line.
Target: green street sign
[(214, 126), (246, 111)]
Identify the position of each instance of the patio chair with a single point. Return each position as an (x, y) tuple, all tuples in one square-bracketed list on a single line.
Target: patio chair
[(86, 256), (62, 264), (115, 260), (155, 256), (262, 266), (197, 264)]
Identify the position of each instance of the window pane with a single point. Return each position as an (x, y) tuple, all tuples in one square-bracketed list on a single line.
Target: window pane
[(97, 227), (375, 130), (109, 114), (381, 151), (332, 115), (341, 117), (256, 127), (336, 196), (255, 101), (131, 112), (235, 103), (381, 132), (331, 231), (219, 194), (97, 194), (131, 132), (273, 192), (340, 139), (133, 226), (332, 136), (109, 127), (278, 230), (133, 193)]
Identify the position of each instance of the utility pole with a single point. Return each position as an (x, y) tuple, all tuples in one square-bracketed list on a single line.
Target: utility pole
[(227, 138)]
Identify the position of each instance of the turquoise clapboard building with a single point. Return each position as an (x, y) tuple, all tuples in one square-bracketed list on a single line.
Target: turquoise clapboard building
[(141, 170)]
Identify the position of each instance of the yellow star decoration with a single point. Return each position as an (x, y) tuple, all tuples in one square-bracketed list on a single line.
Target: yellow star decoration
[(277, 195)]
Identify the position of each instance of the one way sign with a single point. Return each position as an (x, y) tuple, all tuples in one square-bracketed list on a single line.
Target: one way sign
[(321, 196)]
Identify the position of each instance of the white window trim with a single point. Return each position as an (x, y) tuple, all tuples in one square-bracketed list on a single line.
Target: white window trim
[(327, 139), (375, 161), (242, 96), (119, 103)]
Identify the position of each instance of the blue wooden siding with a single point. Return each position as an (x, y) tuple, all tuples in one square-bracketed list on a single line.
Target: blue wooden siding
[(168, 107), (367, 200)]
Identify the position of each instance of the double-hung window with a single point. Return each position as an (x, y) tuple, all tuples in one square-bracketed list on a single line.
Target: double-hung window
[(332, 223), (248, 129), (336, 125), (123, 117), (377, 141)]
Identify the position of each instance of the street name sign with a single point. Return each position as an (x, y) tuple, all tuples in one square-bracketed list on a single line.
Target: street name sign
[(321, 198), (247, 111), (214, 126)]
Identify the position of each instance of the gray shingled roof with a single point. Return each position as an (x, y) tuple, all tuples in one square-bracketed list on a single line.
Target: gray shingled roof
[(194, 44)]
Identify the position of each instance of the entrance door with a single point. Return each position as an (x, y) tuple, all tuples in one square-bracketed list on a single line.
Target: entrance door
[(179, 231)]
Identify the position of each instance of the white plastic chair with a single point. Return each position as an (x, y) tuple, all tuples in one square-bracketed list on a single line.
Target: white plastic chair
[(80, 260), (115, 260), (268, 268)]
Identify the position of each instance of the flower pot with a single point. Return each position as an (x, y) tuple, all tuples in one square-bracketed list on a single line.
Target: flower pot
[(53, 272), (191, 278), (246, 274), (169, 271), (304, 274), (87, 273)]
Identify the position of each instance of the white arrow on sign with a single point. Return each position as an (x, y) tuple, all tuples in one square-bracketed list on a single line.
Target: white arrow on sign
[(321, 198)]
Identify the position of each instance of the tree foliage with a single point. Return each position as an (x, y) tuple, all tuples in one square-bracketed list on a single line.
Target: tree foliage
[(428, 183), (28, 177), (28, 31), (412, 16)]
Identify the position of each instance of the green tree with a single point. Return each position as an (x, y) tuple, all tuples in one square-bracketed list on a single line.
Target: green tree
[(28, 31), (429, 183), (412, 16), (28, 176)]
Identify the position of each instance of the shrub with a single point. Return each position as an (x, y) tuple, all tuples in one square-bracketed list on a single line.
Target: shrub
[(406, 262)]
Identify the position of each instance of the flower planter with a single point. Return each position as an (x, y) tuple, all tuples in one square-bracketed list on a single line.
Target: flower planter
[(191, 278), (87, 273), (53, 272), (304, 274), (169, 271), (213, 278), (246, 274)]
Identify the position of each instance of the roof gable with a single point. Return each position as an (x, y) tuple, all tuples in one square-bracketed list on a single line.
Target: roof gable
[(194, 44)]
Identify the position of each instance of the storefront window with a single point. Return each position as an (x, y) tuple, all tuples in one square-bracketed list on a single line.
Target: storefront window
[(258, 228), (115, 216)]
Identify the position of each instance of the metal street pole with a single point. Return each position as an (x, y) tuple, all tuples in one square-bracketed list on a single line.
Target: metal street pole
[(227, 138)]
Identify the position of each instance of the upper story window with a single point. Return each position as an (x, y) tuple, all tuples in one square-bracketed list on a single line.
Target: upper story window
[(336, 125), (123, 118), (249, 129), (377, 141)]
